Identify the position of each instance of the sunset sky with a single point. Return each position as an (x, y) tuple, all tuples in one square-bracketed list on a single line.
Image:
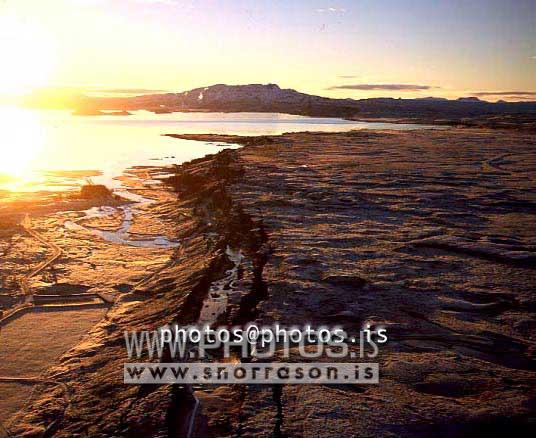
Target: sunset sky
[(339, 48)]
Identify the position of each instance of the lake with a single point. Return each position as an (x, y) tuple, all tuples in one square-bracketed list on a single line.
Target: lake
[(55, 150)]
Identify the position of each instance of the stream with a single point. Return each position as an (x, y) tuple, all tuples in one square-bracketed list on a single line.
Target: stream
[(122, 235)]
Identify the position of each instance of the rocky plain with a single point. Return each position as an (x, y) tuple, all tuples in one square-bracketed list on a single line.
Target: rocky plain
[(430, 233)]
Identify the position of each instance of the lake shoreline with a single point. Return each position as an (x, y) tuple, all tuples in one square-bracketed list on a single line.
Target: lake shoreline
[(56, 151), (344, 226)]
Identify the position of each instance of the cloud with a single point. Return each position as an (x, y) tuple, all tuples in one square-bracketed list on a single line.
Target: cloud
[(533, 57), (385, 87), (331, 10), (505, 93), (347, 77)]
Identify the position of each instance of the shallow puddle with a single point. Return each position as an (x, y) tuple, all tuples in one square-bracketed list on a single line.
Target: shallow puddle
[(121, 236), (218, 295)]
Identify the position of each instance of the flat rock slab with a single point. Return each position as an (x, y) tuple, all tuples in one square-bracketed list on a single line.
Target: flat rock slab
[(479, 248)]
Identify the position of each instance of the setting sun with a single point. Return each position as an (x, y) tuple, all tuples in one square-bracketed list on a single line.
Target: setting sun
[(22, 139)]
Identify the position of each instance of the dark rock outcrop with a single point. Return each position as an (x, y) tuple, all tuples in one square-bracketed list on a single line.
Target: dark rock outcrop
[(460, 357), (92, 191)]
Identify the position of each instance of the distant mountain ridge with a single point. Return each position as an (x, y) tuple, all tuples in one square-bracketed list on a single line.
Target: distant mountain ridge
[(230, 98), (263, 95), (272, 98)]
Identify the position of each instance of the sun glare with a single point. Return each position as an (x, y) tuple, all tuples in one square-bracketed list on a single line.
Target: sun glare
[(23, 139), (27, 57)]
